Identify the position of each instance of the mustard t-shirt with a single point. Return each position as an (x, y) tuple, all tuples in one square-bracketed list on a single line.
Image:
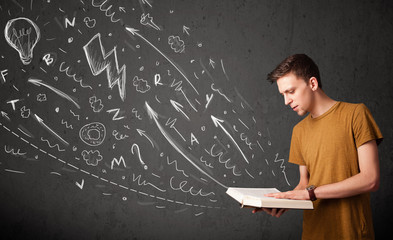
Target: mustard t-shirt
[(327, 145)]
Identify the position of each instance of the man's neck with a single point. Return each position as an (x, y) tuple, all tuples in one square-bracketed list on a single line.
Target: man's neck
[(322, 104)]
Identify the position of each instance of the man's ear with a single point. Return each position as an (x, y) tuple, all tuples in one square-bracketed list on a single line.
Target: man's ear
[(313, 83)]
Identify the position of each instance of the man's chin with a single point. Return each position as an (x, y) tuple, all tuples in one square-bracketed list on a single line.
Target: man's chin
[(301, 113)]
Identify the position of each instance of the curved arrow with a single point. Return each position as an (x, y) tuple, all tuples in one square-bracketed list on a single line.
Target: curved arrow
[(39, 82), (142, 133)]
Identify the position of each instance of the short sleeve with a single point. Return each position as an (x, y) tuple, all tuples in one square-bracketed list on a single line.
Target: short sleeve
[(364, 126), (295, 154)]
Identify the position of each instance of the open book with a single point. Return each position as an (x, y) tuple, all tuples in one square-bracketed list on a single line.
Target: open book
[(255, 197)]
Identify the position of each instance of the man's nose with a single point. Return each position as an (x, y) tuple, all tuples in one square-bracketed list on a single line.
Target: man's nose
[(287, 100)]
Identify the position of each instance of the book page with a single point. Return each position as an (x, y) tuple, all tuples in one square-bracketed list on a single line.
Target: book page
[(256, 192)]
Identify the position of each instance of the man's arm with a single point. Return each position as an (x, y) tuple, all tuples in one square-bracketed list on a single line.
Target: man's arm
[(367, 180), (304, 178)]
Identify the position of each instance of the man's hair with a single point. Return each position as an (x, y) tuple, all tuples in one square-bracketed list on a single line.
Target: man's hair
[(299, 64)]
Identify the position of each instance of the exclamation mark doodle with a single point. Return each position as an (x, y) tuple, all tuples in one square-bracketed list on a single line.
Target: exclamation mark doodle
[(139, 154)]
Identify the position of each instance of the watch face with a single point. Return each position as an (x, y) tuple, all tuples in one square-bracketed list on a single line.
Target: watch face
[(311, 187)]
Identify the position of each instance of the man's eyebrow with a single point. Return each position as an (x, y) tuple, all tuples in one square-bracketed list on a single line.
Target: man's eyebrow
[(287, 90)]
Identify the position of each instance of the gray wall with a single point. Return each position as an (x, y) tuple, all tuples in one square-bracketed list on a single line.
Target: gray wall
[(82, 157)]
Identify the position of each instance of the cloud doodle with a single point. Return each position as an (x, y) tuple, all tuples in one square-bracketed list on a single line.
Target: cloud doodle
[(91, 157)]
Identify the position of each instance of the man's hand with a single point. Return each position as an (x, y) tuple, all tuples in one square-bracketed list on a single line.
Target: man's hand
[(275, 212), (295, 194)]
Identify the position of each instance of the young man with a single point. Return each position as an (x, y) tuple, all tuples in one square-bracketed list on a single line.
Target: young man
[(335, 147)]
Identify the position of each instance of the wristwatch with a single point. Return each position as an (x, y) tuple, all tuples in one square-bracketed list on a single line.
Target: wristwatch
[(310, 190)]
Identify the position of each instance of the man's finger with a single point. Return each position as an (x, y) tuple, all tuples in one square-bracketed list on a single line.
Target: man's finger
[(281, 212)]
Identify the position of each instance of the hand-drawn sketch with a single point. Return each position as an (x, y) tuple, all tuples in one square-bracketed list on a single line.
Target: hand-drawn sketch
[(118, 115), (178, 107), (147, 20), (90, 23), (68, 70), (66, 124), (100, 60), (96, 104), (41, 97), (108, 10), (3, 73), (176, 44), (93, 134), (22, 34), (50, 59), (140, 85), (183, 184), (52, 145), (118, 162), (135, 148), (41, 122), (91, 157), (185, 30), (12, 151), (218, 123), (118, 136), (81, 184), (25, 113)]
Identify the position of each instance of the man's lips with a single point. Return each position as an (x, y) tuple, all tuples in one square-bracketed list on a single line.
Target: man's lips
[(295, 107)]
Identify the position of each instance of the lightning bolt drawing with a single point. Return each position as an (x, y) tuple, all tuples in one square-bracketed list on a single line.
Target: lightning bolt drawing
[(99, 61)]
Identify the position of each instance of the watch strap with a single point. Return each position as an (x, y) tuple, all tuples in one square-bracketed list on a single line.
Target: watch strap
[(311, 192)]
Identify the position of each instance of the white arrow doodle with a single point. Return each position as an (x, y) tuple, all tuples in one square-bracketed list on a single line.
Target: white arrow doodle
[(212, 63), (217, 122), (153, 115), (146, 2), (80, 185), (178, 107), (134, 32), (122, 9), (41, 122), (185, 30), (143, 134), (39, 82), (5, 115)]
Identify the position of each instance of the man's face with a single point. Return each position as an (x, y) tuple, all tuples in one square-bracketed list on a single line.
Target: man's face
[(297, 93)]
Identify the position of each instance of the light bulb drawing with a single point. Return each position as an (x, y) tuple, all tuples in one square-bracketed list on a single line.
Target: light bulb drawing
[(22, 34)]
